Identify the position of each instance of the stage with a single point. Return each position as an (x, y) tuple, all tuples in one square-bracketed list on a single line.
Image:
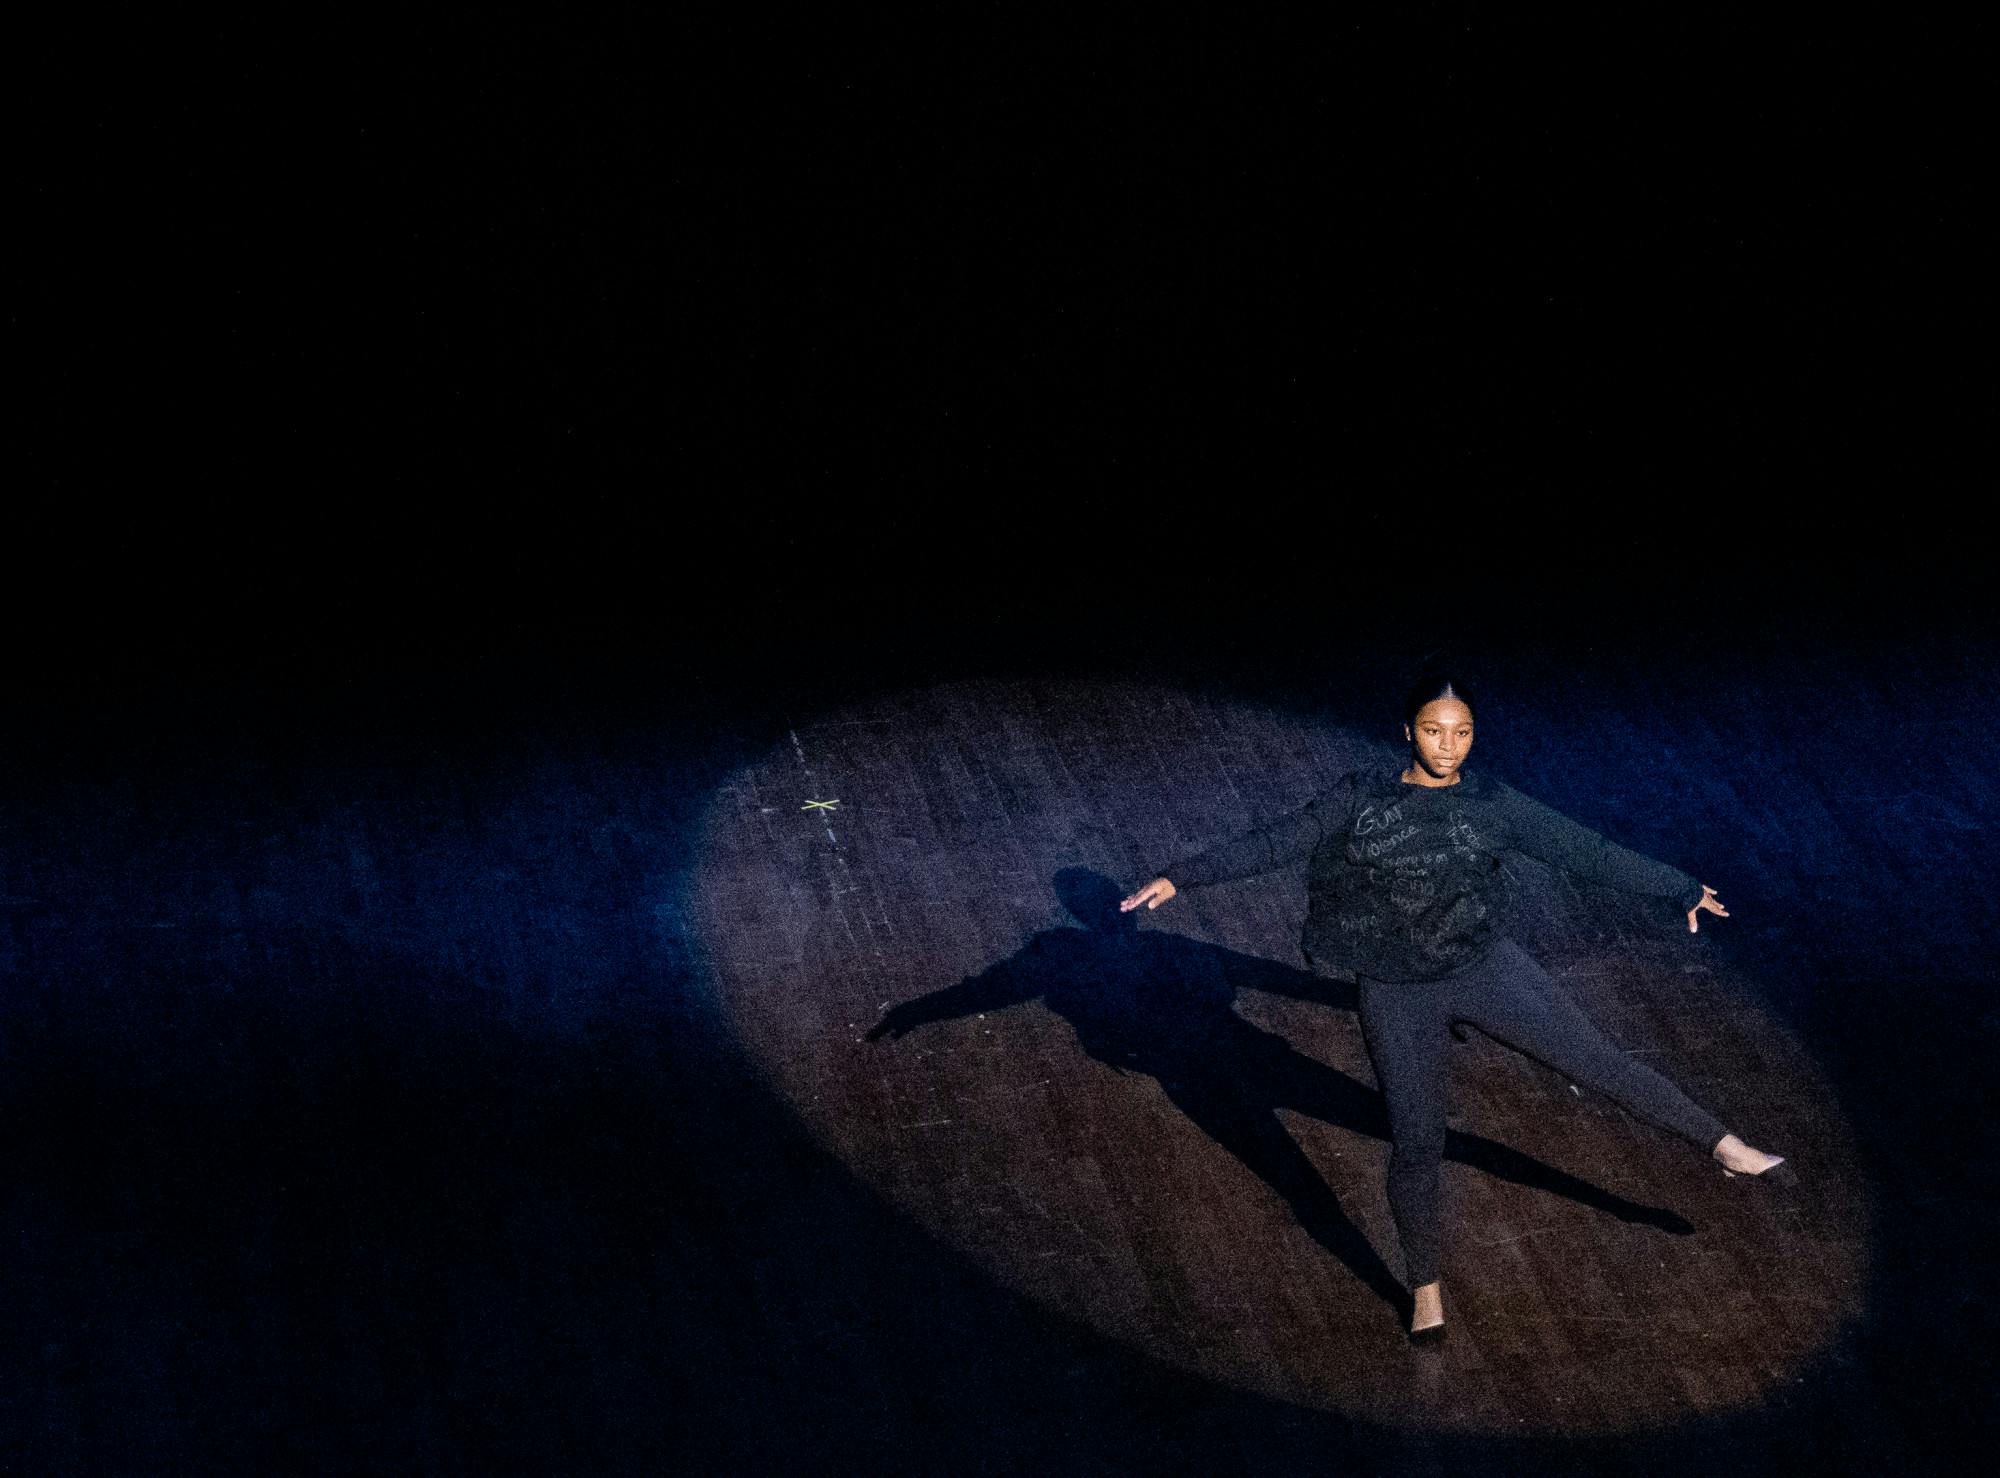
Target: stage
[(602, 609)]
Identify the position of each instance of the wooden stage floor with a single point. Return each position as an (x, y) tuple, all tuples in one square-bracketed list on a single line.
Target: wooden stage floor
[(725, 1076)]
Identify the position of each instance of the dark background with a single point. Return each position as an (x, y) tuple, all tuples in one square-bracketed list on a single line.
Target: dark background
[(407, 398), (359, 330)]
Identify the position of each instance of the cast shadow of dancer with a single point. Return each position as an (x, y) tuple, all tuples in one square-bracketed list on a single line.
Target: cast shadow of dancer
[(1156, 1003)]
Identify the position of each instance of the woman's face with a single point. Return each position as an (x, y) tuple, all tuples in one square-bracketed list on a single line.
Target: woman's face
[(1441, 736)]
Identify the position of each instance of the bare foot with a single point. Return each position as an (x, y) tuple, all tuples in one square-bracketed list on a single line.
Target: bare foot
[(1738, 1158), (1429, 1306)]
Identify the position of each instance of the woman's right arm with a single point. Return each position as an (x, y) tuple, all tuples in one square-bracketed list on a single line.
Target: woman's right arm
[(1289, 839)]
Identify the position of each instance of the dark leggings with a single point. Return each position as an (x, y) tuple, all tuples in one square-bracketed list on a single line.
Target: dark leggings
[(1510, 998)]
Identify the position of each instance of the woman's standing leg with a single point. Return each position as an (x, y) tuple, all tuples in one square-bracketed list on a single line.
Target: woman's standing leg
[(1512, 999), (1404, 1030)]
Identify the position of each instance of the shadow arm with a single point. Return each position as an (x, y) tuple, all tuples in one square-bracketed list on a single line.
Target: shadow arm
[(1005, 983)]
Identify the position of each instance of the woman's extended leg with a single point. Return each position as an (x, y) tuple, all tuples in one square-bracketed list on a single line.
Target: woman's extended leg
[(1511, 998), (1405, 1034)]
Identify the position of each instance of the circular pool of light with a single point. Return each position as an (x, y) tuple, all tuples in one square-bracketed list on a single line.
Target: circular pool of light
[(1163, 1126)]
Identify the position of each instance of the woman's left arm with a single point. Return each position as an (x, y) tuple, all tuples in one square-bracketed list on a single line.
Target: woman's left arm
[(1544, 833)]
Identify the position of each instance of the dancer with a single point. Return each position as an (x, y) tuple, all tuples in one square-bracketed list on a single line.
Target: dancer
[(1405, 894)]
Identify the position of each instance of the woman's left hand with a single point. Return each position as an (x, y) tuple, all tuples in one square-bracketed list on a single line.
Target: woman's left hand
[(1708, 901)]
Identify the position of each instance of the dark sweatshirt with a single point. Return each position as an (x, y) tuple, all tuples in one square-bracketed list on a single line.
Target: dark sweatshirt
[(1406, 882)]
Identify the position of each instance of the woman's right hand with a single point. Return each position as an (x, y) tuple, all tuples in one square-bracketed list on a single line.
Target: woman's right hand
[(1708, 901), (1152, 895)]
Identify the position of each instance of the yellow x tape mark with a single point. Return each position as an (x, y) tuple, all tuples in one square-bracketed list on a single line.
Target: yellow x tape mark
[(821, 805)]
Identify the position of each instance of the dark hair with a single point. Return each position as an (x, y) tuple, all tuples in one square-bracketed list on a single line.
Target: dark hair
[(1430, 687)]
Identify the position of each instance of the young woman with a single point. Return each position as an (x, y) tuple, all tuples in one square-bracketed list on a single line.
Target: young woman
[(1406, 894)]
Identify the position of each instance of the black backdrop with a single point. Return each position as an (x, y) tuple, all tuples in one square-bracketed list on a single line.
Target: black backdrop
[(656, 316)]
